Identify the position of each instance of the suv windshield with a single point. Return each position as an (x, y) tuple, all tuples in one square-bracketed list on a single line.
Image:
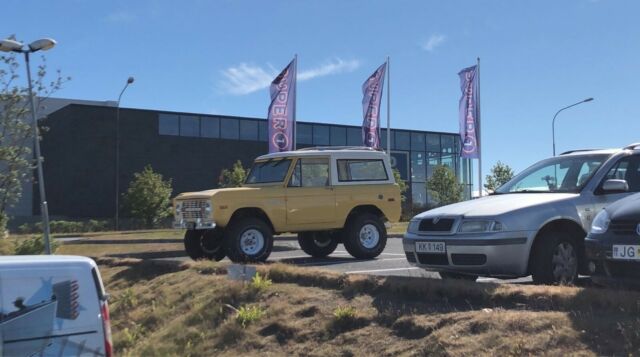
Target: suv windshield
[(567, 174), (268, 171)]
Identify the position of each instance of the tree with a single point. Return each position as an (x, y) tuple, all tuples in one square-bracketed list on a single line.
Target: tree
[(443, 186), (234, 177), (500, 174), (16, 133), (401, 183), (149, 197)]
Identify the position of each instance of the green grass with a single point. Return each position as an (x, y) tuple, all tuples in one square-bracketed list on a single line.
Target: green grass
[(247, 315)]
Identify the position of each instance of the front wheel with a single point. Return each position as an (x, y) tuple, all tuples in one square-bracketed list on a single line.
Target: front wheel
[(248, 240), (365, 236), (204, 244), (317, 244), (555, 260)]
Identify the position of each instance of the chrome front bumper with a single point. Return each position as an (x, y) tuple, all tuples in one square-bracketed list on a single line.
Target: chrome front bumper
[(198, 224), (504, 254)]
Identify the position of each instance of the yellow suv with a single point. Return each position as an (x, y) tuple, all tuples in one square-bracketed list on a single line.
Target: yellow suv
[(327, 195)]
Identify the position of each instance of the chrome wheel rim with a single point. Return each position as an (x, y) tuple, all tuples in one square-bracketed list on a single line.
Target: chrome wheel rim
[(369, 236), (251, 241), (564, 263)]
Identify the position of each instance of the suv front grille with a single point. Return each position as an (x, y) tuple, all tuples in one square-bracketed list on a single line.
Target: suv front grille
[(193, 209), (436, 225), (623, 227)]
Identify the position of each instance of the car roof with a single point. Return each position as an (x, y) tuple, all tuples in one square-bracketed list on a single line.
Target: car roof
[(347, 151), (590, 152), (43, 260)]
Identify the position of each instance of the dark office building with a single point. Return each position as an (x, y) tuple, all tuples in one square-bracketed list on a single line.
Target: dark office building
[(79, 149)]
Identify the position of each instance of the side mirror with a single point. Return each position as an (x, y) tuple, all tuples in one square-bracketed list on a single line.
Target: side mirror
[(615, 186)]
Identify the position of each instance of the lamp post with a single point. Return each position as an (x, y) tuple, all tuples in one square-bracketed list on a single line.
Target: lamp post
[(553, 123), (117, 223), (35, 46)]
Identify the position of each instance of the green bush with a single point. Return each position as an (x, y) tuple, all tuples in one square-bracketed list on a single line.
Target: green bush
[(6, 248), (344, 313), (33, 246), (249, 314), (66, 227), (260, 283)]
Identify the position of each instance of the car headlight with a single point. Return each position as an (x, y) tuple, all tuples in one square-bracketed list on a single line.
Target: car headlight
[(480, 226), (414, 226), (179, 207), (207, 207), (600, 224)]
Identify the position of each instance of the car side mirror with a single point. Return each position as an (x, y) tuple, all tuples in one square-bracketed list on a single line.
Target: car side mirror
[(615, 186)]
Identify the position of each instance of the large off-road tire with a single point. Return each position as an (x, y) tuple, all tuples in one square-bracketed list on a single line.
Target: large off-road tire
[(555, 259), (248, 239), (317, 244), (447, 275), (365, 236), (204, 244)]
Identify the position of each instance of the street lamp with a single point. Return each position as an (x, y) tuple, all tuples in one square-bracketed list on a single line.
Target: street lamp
[(35, 46), (553, 123), (129, 81)]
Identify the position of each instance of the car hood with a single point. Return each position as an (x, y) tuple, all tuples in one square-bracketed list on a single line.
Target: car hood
[(495, 205), (627, 208), (217, 192)]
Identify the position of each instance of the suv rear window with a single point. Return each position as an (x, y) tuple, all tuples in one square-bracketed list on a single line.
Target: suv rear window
[(361, 170)]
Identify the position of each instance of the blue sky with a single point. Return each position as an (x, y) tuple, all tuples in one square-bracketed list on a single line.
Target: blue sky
[(218, 56)]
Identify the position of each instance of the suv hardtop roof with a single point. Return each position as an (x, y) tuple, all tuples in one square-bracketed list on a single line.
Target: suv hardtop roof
[(342, 151), (634, 146)]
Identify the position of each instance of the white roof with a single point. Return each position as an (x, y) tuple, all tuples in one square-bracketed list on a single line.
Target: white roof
[(355, 152), (21, 260), (589, 152)]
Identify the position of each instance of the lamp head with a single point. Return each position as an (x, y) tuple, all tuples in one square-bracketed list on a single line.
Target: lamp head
[(587, 100), (42, 44), (10, 46), (130, 80)]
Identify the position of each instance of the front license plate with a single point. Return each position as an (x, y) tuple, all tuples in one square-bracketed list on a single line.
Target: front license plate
[(431, 247), (626, 252)]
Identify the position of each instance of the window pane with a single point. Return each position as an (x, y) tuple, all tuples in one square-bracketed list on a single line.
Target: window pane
[(418, 167), (209, 127), (189, 125), (431, 165), (354, 137), (456, 143), (320, 135), (627, 169), (417, 141), (361, 170), (338, 136), (419, 195), (383, 139), (268, 171), (403, 140), (304, 132), (433, 142), (447, 143), (263, 133), (229, 128), (168, 124), (248, 130), (314, 172)]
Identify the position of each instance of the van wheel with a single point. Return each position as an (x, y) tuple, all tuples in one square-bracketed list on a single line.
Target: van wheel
[(204, 244), (365, 236), (317, 244), (555, 260), (447, 275), (248, 240)]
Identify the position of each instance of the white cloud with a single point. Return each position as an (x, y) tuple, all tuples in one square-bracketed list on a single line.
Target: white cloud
[(120, 17), (246, 78), (434, 41)]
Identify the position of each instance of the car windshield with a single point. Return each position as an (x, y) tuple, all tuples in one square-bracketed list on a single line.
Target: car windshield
[(268, 171), (562, 174)]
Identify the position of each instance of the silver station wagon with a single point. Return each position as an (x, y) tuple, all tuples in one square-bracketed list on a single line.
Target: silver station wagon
[(535, 224)]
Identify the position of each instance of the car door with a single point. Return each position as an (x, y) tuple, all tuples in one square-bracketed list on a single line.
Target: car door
[(310, 196), (628, 169)]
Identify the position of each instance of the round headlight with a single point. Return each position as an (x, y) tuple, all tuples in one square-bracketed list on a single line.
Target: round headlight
[(600, 224), (178, 207), (207, 206)]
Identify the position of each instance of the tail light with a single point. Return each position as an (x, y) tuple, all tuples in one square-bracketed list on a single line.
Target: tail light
[(106, 326)]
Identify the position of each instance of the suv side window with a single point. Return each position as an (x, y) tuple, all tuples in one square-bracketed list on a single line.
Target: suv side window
[(361, 170), (628, 168), (310, 173)]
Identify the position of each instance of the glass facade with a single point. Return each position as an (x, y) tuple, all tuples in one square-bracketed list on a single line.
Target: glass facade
[(414, 153)]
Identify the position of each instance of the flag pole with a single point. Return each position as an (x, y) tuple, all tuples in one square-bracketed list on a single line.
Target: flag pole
[(388, 108), (295, 96), (479, 138)]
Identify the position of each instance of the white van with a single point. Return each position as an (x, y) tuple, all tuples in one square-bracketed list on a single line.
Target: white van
[(52, 306)]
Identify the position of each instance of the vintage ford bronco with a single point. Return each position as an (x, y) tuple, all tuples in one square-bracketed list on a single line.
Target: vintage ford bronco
[(327, 195)]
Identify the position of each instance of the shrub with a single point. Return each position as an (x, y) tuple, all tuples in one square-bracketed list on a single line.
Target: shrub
[(247, 315), (344, 313), (149, 197), (33, 246), (260, 283), (6, 248)]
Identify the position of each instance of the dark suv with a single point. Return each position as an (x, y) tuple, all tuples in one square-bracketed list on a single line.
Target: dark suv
[(613, 245)]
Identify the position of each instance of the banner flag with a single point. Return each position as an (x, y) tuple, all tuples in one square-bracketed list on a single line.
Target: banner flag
[(281, 118), (469, 116), (372, 91)]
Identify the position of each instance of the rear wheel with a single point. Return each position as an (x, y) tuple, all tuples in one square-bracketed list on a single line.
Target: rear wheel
[(204, 244), (317, 244), (555, 260), (446, 275), (248, 239), (365, 236)]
